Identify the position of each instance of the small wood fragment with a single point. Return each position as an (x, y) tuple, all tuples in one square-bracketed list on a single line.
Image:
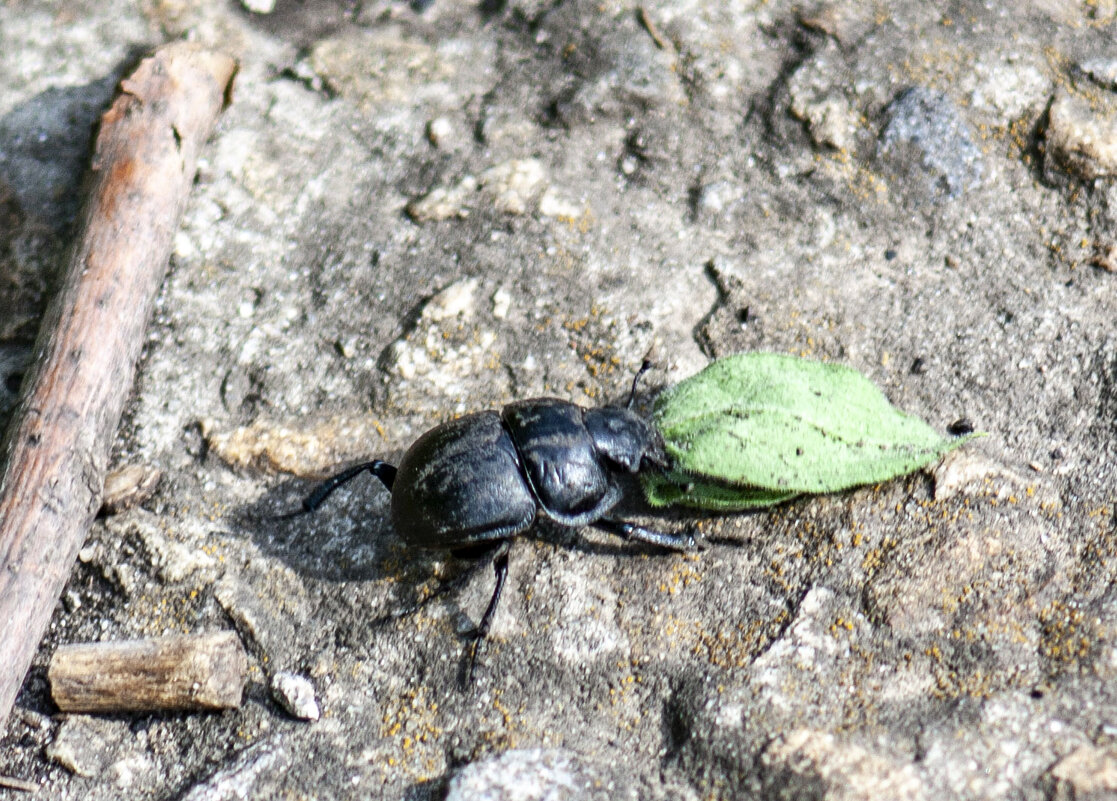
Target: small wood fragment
[(197, 672), (128, 487), (12, 783), (1105, 257), (653, 31)]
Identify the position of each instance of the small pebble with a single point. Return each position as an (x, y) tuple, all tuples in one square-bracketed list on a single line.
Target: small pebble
[(347, 346), (128, 487), (455, 301), (295, 694), (439, 131), (259, 6), (1105, 257), (502, 302)]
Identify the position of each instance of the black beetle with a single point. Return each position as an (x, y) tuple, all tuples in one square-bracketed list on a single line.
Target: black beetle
[(485, 477)]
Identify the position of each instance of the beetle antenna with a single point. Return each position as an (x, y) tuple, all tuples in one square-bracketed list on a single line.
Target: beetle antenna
[(636, 380)]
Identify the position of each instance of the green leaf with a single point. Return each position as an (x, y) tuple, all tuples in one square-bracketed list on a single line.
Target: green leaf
[(758, 428), (680, 489)]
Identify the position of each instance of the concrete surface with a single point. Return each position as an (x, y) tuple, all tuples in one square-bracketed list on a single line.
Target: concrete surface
[(411, 211)]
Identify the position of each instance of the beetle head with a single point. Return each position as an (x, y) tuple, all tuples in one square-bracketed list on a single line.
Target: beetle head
[(625, 438)]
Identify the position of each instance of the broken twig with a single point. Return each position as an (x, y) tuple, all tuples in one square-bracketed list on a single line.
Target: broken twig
[(204, 671)]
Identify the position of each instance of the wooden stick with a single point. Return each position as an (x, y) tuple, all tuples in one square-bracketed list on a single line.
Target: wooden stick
[(204, 671), (59, 439)]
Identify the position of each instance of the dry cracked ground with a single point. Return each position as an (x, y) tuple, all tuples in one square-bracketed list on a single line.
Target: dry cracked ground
[(414, 210)]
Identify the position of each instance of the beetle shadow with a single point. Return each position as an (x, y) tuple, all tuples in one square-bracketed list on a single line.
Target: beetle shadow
[(45, 143), (349, 539)]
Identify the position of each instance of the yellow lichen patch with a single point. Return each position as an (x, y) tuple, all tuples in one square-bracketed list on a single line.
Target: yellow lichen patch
[(735, 646), (1068, 633), (602, 362), (625, 694), (411, 721), (682, 575)]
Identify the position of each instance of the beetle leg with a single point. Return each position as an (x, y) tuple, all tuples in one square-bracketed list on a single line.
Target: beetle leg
[(442, 588), (476, 563), (631, 531), (500, 568), (382, 470)]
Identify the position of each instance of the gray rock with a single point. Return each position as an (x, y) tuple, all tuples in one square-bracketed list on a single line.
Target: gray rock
[(85, 745), (532, 775), (548, 775), (1081, 136), (255, 772), (1102, 69), (930, 145), (269, 627)]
